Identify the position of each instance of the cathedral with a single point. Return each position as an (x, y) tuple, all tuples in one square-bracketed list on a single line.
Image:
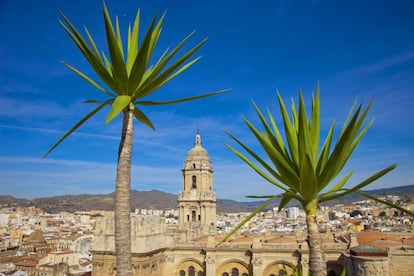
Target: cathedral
[(190, 249)]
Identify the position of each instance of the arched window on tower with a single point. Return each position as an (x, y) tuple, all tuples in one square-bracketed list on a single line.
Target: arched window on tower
[(191, 271), (182, 273), (234, 272), (194, 166), (332, 273), (194, 182), (193, 216)]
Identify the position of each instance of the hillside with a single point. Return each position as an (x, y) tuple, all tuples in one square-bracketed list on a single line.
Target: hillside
[(156, 199)]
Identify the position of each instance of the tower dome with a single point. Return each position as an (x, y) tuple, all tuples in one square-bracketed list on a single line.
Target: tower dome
[(197, 152)]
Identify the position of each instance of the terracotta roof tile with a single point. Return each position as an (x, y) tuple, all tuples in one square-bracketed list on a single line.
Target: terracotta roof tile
[(242, 240), (281, 239), (370, 236)]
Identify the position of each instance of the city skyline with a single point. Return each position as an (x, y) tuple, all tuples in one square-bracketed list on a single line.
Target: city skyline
[(356, 50)]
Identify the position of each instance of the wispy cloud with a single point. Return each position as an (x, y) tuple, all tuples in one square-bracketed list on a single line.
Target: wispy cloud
[(17, 108), (377, 66), (387, 81), (56, 176), (12, 86), (48, 130)]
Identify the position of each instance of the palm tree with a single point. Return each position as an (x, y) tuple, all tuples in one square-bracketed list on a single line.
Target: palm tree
[(302, 169), (130, 78)]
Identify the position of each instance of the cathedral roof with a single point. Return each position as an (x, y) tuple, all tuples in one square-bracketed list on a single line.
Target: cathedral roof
[(367, 237), (281, 239), (383, 244), (244, 239), (197, 152), (367, 250), (409, 241)]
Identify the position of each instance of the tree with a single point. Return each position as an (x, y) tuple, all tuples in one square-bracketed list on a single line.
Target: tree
[(130, 78), (301, 168), (382, 214), (355, 213)]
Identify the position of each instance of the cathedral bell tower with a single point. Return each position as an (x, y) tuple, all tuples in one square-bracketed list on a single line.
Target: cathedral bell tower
[(197, 201)]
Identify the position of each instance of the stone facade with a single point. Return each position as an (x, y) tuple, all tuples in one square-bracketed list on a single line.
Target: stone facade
[(197, 201)]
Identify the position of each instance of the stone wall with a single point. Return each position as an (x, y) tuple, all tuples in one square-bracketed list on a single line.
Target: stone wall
[(209, 259), (401, 261), (149, 233)]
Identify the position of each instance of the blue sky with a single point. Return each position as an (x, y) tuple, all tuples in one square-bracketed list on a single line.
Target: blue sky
[(357, 50)]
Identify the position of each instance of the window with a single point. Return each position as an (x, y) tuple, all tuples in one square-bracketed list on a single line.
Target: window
[(281, 272), (182, 273), (331, 273), (234, 272), (194, 183), (191, 271), (225, 274), (193, 215), (194, 166)]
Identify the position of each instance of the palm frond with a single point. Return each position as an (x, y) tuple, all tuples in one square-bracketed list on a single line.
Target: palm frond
[(132, 44), (155, 103), (246, 219), (77, 125), (118, 105), (387, 203), (290, 131), (116, 53), (88, 53), (140, 116), (358, 187), (89, 80)]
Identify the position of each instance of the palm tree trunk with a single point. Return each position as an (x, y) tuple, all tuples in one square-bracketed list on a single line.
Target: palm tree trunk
[(317, 264), (122, 198)]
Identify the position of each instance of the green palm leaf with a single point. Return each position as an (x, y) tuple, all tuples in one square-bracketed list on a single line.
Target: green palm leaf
[(89, 80), (140, 116), (389, 204), (154, 103), (246, 219), (115, 52), (133, 43), (361, 185), (120, 103), (77, 125), (94, 61), (315, 124)]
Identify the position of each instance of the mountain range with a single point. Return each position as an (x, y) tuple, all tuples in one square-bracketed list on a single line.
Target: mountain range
[(160, 200)]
